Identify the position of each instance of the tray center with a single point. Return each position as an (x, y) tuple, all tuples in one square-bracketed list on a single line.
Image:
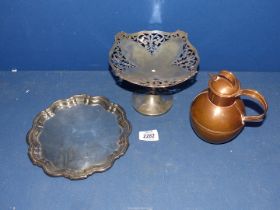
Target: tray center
[(81, 136)]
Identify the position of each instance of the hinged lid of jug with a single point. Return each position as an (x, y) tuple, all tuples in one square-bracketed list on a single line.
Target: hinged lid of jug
[(224, 84)]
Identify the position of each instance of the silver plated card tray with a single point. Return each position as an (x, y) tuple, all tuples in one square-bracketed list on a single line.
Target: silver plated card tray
[(78, 136)]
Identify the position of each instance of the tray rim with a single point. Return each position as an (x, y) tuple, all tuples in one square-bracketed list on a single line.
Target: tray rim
[(82, 99), (184, 35)]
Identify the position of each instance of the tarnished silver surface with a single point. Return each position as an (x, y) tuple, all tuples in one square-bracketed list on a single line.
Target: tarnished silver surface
[(78, 136), (152, 105), (154, 59)]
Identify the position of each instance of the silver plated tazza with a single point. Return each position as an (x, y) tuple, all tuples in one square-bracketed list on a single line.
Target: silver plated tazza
[(78, 136), (154, 60)]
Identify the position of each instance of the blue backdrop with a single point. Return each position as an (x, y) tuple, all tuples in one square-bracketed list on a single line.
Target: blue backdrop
[(77, 34)]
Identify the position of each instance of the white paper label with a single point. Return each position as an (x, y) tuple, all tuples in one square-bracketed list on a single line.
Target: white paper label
[(151, 135)]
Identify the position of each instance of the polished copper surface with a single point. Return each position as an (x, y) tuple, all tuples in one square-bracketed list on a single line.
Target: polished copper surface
[(218, 114)]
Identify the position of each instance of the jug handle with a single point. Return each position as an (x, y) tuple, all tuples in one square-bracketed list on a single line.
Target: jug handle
[(260, 98)]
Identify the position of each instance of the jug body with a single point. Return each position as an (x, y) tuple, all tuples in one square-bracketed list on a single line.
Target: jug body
[(216, 124)]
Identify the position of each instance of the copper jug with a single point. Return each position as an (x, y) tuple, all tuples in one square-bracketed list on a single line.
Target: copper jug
[(218, 114)]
